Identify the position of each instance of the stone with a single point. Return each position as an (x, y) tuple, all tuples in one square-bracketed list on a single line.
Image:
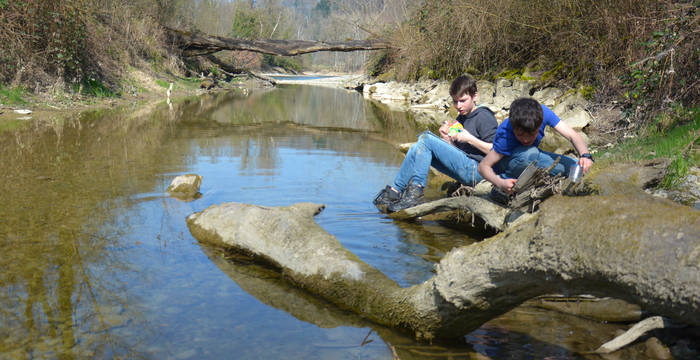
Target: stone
[(657, 350), (548, 96), (185, 187), (568, 102), (486, 91), (504, 97), (553, 142), (577, 118), (503, 83), (523, 87)]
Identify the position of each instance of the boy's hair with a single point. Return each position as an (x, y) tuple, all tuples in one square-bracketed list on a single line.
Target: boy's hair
[(463, 85), (526, 115)]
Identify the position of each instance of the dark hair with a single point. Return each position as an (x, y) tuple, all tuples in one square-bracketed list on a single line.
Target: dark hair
[(525, 115), (463, 85)]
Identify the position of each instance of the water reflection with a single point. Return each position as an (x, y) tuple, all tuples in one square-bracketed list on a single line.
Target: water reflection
[(98, 261)]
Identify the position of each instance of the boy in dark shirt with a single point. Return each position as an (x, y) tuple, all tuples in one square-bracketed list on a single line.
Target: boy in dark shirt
[(456, 155)]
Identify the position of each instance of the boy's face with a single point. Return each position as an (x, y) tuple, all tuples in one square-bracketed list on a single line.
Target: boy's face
[(525, 138), (465, 103)]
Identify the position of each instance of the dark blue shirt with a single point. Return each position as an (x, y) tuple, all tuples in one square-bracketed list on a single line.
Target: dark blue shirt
[(505, 140), (481, 123)]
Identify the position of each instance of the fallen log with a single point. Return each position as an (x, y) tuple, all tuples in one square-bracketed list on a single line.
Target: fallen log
[(608, 254), (494, 215), (197, 44)]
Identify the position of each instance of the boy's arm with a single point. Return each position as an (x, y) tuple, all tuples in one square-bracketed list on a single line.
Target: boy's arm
[(486, 129), (486, 170), (467, 137), (578, 143)]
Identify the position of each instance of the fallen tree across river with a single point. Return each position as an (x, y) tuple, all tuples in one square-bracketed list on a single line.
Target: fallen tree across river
[(607, 245), (196, 44)]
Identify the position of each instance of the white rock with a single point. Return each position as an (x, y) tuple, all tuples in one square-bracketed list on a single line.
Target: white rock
[(185, 186), (504, 97), (568, 102), (548, 96), (23, 111), (577, 118), (486, 91), (523, 87)]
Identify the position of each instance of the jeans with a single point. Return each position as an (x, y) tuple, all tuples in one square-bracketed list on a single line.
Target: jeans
[(431, 150), (512, 166)]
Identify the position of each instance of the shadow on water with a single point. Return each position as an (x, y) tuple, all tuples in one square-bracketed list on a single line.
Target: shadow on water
[(98, 262)]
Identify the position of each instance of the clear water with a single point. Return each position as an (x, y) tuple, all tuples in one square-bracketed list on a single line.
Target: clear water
[(98, 262)]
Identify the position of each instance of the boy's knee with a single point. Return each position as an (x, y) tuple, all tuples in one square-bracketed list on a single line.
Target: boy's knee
[(424, 136), (531, 153)]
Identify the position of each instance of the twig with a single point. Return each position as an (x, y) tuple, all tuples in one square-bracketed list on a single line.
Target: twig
[(642, 327)]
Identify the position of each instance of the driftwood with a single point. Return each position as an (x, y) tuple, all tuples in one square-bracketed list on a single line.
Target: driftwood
[(494, 215), (197, 44), (636, 331)]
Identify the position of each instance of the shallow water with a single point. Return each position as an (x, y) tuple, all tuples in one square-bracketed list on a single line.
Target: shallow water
[(98, 261)]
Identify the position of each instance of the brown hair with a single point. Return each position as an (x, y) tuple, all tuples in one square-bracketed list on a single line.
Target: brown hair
[(526, 115), (463, 85)]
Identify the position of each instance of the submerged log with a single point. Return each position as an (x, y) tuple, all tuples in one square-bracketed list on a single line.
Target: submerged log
[(601, 245), (201, 44)]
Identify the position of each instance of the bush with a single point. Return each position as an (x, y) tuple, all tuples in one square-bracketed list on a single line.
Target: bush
[(287, 63), (77, 42)]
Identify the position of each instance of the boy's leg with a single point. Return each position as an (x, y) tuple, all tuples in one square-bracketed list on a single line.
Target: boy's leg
[(409, 163), (512, 166), (432, 150)]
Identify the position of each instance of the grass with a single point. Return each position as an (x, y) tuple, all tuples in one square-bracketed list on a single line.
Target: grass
[(95, 88), (12, 96), (677, 142), (163, 83)]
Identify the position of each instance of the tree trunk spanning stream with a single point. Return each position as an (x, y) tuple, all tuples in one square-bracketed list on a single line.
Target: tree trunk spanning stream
[(200, 44), (634, 248)]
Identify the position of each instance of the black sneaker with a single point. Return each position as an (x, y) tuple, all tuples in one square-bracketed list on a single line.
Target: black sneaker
[(385, 198), (411, 196)]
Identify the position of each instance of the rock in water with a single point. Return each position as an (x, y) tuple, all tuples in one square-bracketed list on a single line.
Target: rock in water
[(185, 187)]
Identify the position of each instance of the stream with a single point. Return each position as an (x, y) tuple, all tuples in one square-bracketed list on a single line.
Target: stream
[(98, 261)]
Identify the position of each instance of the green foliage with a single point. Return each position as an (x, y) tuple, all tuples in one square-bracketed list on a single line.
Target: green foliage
[(12, 96), (259, 22), (676, 141), (377, 63), (587, 42), (97, 88), (285, 62), (162, 83), (246, 24)]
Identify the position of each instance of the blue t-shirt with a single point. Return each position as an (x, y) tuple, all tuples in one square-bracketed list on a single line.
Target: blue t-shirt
[(504, 142)]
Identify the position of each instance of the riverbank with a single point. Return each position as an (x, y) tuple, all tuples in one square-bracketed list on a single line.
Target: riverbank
[(151, 88), (602, 125)]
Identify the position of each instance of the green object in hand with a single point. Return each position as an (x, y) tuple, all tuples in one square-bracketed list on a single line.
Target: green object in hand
[(455, 129)]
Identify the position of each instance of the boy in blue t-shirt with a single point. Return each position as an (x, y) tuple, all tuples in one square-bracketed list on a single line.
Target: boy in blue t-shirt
[(516, 143)]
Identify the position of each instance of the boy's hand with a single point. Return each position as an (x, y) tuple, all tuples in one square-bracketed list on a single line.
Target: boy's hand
[(444, 129), (463, 136), (585, 164), (507, 185)]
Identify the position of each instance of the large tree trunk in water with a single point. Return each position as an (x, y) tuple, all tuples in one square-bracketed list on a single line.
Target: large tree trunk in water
[(201, 44), (634, 248)]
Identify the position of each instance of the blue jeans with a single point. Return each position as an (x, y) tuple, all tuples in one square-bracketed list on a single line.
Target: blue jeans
[(431, 150), (512, 166)]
